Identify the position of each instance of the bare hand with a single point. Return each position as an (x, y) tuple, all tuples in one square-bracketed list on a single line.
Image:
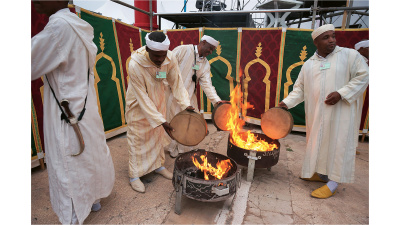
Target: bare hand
[(168, 129), (282, 105), (190, 108), (222, 101), (333, 98)]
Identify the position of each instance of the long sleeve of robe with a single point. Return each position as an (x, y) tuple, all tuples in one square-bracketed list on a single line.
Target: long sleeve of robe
[(332, 130), (146, 110), (64, 50), (185, 54)]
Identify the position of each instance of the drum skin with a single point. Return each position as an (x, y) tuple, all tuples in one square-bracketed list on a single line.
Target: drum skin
[(190, 128), (276, 123), (220, 115)]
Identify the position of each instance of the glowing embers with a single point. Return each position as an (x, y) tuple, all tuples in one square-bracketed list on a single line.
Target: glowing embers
[(210, 172), (245, 140)]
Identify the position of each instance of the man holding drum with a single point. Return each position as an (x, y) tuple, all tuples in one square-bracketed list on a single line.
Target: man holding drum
[(331, 83), (149, 67), (195, 68)]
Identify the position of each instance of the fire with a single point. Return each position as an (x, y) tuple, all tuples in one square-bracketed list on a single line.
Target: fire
[(245, 140), (220, 172)]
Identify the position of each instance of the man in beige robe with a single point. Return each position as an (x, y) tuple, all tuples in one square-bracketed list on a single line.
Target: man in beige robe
[(149, 67), (195, 68), (331, 83)]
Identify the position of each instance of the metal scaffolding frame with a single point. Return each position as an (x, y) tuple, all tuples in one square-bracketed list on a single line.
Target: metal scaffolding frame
[(346, 12)]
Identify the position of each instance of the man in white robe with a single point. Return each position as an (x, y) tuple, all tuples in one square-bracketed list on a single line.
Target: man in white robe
[(194, 68), (64, 51), (145, 113), (331, 83), (363, 48)]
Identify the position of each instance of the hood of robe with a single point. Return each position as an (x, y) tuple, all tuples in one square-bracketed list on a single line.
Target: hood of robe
[(142, 58), (82, 28), (336, 50)]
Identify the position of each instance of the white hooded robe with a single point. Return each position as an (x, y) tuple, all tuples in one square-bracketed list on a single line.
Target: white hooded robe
[(63, 51)]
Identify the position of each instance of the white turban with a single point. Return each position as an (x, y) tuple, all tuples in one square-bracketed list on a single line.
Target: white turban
[(210, 40), (157, 46), (362, 44), (321, 30)]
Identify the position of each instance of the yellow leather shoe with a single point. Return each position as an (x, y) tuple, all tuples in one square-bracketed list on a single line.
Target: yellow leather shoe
[(315, 177), (322, 192), (138, 186)]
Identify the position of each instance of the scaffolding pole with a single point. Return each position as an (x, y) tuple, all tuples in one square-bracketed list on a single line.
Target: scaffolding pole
[(314, 9), (130, 6), (260, 11), (151, 14)]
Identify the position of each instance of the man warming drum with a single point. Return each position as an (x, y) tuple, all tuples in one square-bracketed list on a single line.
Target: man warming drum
[(195, 68), (331, 83), (146, 106)]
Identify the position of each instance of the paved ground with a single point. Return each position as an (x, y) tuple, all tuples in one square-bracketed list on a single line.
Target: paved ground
[(273, 197)]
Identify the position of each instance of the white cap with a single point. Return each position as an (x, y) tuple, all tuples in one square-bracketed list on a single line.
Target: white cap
[(210, 40), (157, 46), (362, 44), (321, 30)]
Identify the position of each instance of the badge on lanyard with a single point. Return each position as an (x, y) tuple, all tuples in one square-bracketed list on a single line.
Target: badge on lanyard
[(325, 66), (161, 75), (196, 67)]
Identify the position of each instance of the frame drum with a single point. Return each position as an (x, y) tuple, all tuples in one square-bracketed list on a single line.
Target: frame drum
[(190, 128), (276, 123), (220, 116)]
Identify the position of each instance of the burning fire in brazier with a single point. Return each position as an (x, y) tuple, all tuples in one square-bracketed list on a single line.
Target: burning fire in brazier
[(218, 172), (246, 140), (223, 177)]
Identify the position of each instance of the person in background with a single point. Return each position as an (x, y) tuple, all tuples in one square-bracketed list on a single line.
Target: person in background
[(331, 83), (64, 53), (145, 112), (195, 68), (363, 48)]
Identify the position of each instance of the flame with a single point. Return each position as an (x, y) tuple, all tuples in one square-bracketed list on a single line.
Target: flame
[(243, 140), (220, 172)]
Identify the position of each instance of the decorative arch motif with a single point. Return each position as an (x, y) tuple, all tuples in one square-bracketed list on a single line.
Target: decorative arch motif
[(228, 74), (113, 77), (289, 82), (266, 78)]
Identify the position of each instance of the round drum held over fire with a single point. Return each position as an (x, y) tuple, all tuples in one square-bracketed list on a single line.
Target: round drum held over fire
[(276, 123), (220, 116), (190, 128)]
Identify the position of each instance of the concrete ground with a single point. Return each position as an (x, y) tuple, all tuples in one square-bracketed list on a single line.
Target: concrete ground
[(273, 197)]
